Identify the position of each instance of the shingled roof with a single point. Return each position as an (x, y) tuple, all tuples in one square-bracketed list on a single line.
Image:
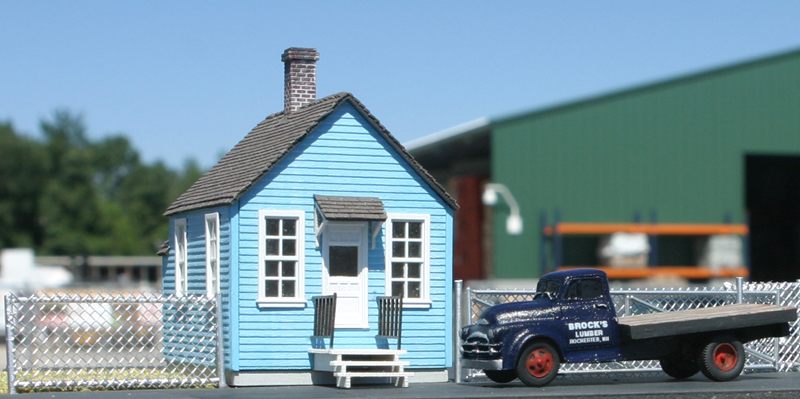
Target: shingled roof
[(266, 145)]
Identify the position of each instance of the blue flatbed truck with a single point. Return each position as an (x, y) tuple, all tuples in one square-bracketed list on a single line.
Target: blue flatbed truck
[(572, 319)]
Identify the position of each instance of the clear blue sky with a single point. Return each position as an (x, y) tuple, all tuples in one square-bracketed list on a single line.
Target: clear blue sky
[(190, 78)]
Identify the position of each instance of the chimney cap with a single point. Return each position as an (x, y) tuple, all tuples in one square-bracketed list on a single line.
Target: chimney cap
[(300, 54)]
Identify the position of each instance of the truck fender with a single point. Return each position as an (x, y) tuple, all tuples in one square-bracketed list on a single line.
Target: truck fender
[(517, 343)]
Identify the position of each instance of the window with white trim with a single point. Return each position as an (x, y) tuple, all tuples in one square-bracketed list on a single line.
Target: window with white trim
[(212, 254), (181, 257), (408, 258), (281, 258)]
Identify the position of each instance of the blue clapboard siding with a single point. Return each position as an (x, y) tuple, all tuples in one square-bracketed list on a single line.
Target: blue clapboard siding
[(184, 326), (344, 156)]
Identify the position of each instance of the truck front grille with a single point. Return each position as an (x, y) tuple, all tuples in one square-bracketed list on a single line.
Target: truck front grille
[(480, 350)]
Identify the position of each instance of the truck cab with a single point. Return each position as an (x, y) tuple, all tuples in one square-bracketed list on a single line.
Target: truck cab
[(572, 313)]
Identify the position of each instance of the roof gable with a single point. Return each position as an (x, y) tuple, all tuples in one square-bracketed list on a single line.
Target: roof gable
[(267, 144)]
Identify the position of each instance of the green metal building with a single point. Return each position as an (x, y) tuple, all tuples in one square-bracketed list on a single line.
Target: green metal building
[(714, 147)]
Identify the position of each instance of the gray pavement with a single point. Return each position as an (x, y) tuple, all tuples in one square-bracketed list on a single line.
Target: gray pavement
[(756, 385)]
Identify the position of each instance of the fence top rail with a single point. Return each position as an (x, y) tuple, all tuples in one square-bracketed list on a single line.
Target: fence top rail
[(111, 297), (504, 292), (617, 291), (662, 291)]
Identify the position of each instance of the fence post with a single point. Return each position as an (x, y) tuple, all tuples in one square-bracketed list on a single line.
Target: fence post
[(777, 341), (468, 306), (627, 304), (10, 343), (467, 311), (739, 289), (457, 332), (220, 347)]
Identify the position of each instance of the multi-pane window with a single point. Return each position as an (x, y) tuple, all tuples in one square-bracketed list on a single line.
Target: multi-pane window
[(407, 266), (281, 256), (181, 262), (212, 254)]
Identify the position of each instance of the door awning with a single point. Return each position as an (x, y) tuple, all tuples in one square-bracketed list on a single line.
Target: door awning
[(351, 208)]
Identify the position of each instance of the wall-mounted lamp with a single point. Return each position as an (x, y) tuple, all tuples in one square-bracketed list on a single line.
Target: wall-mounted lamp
[(514, 220)]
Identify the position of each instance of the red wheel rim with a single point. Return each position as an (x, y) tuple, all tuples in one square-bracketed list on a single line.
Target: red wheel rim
[(725, 356), (539, 363)]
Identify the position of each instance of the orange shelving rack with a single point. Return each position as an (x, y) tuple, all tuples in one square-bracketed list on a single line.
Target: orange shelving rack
[(556, 232)]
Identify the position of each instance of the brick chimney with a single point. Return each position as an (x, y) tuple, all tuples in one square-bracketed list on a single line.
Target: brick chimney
[(300, 77)]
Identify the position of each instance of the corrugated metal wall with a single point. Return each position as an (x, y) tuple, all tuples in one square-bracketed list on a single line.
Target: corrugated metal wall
[(676, 147)]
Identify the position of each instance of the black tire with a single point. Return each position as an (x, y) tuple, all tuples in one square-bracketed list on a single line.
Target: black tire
[(722, 359), (501, 376), (538, 364), (680, 368)]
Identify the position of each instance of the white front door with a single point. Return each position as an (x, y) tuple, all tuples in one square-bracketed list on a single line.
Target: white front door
[(345, 271)]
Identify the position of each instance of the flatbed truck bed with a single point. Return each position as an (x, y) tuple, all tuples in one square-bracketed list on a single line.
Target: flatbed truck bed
[(727, 317)]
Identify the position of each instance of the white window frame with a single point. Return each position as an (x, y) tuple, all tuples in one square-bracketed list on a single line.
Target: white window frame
[(298, 301), (181, 257), (212, 254), (425, 274)]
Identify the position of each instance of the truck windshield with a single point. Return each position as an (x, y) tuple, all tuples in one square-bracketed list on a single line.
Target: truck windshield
[(548, 286)]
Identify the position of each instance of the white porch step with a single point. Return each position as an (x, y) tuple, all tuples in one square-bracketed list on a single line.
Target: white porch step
[(343, 380), (376, 363), (372, 363), (358, 351), (372, 374)]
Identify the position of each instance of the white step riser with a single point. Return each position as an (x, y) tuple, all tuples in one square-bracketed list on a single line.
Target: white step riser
[(380, 363), (331, 360), (343, 380), (373, 374), (358, 351)]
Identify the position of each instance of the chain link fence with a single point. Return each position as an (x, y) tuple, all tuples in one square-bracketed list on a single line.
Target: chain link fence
[(781, 354), (90, 340)]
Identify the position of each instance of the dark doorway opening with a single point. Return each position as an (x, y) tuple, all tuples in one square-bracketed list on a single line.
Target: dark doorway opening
[(772, 199)]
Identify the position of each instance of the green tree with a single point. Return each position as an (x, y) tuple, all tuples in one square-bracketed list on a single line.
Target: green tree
[(22, 174), (64, 135), (70, 195), (70, 206), (113, 159), (190, 173), (144, 195)]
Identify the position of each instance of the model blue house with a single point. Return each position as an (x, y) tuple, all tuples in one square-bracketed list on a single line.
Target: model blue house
[(317, 199)]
